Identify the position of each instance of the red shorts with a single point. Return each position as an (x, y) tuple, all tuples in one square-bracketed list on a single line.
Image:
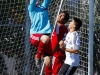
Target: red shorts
[(35, 38), (56, 65)]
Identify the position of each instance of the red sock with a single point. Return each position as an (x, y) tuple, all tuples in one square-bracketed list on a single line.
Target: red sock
[(40, 49), (48, 70)]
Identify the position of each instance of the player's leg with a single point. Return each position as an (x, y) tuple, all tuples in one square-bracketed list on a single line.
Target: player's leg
[(35, 40), (39, 41), (40, 51), (72, 71), (48, 59), (42, 44), (63, 69), (67, 69), (56, 65), (48, 65)]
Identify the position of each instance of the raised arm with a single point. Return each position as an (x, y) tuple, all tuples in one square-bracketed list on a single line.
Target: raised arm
[(46, 3), (32, 4)]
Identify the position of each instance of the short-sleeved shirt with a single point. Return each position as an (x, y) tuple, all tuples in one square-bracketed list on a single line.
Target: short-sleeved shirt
[(40, 22), (72, 41)]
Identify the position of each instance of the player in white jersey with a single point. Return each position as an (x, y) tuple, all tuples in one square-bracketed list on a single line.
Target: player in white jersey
[(71, 47)]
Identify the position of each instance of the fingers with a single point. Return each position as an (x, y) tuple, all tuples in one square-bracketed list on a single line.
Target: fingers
[(61, 42)]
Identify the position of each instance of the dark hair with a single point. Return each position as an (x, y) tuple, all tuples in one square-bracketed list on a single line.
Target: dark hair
[(78, 23), (66, 15)]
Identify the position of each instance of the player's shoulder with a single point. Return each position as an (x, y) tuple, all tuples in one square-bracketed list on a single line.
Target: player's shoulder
[(75, 33), (63, 27)]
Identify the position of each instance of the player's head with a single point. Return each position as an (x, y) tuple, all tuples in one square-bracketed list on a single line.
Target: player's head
[(76, 23), (63, 17)]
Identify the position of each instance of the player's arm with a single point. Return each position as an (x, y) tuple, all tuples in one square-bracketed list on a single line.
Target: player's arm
[(71, 50), (62, 46), (32, 4), (74, 48), (46, 3)]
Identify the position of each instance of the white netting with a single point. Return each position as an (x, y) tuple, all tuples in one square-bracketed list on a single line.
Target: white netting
[(16, 54), (12, 36)]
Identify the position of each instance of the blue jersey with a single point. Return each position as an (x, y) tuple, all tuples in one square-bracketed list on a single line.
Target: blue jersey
[(40, 22)]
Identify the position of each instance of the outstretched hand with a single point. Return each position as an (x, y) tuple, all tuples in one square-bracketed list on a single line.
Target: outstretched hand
[(38, 2)]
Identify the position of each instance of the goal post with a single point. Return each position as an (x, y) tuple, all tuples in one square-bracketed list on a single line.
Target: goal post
[(90, 48)]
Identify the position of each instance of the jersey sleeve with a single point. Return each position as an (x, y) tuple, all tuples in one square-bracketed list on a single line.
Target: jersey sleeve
[(32, 5), (46, 3), (75, 41)]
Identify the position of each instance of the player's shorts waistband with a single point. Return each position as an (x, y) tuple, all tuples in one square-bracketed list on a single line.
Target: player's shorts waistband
[(32, 36)]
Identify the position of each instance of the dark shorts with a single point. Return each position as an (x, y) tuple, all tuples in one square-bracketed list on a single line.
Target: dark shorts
[(67, 69)]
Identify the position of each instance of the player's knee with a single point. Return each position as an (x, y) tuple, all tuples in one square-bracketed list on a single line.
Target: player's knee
[(45, 38), (48, 60)]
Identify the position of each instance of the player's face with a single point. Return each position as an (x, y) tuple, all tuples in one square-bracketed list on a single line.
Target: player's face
[(71, 24), (61, 17)]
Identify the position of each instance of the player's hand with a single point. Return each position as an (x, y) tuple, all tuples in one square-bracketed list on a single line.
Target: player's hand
[(61, 45), (38, 2), (28, 1)]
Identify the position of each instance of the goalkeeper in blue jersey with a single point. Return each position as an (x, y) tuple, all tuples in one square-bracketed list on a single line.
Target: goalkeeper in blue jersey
[(40, 26)]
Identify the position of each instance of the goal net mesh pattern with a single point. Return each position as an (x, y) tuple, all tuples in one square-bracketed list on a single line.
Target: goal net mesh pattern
[(16, 52)]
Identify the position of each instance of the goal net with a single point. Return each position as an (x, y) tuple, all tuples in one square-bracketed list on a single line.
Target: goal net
[(16, 52)]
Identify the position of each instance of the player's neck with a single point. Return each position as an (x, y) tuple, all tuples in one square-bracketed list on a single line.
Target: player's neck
[(58, 23), (71, 30)]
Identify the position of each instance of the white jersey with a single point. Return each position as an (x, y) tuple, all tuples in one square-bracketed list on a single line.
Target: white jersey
[(72, 41)]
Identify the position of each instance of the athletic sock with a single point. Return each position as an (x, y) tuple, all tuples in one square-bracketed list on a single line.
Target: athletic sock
[(40, 50), (48, 70)]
